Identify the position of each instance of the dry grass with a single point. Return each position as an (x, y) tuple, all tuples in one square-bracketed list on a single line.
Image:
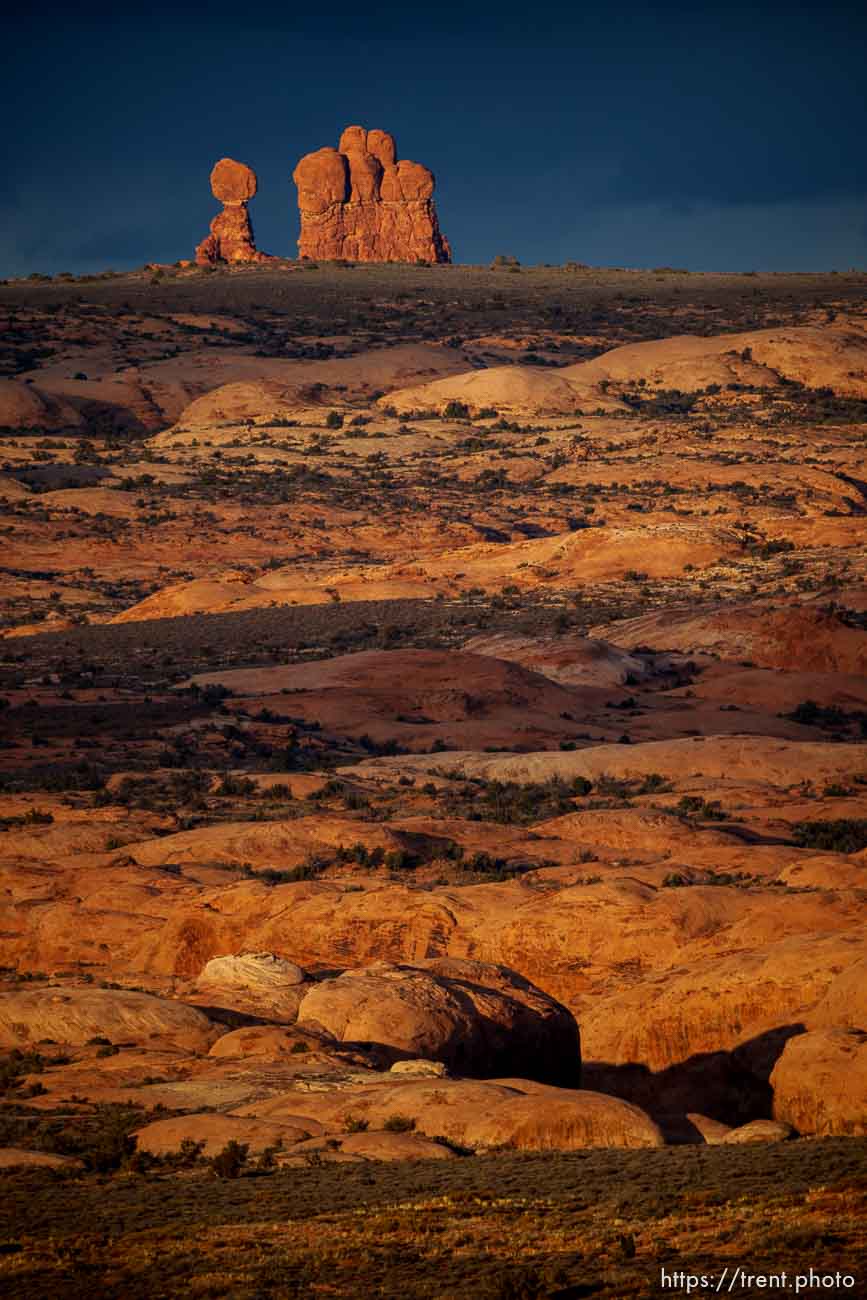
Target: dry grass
[(597, 1223)]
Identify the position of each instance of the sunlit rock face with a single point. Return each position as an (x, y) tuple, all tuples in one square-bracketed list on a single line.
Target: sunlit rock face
[(231, 237), (360, 203)]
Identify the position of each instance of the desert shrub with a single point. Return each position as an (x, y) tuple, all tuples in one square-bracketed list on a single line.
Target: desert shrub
[(399, 1124), (17, 1064), (456, 411), (33, 817), (268, 1157), (692, 805), (334, 420), (189, 1153), (485, 864), (104, 1141), (513, 803), (310, 869), (399, 860), (653, 783), (845, 835), (767, 550), (54, 777), (676, 879), (230, 1162), (830, 717), (613, 787), (236, 785), (278, 791), (353, 1124), (184, 788), (667, 401)]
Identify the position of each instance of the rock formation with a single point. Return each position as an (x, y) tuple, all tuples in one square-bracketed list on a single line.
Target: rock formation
[(358, 202), (479, 1019), (257, 983), (75, 1015), (231, 237), (510, 1112)]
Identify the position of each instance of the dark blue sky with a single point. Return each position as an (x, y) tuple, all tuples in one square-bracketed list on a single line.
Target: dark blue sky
[(721, 137)]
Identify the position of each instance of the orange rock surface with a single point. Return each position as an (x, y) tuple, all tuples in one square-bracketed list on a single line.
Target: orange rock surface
[(475, 1017), (359, 203), (231, 237), (495, 1113)]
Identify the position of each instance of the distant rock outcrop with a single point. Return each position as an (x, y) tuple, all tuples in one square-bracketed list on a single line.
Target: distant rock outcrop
[(231, 237), (358, 202)]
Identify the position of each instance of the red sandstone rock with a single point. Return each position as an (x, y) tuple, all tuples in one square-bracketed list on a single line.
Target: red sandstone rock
[(231, 237), (233, 182), (358, 202), (477, 1018)]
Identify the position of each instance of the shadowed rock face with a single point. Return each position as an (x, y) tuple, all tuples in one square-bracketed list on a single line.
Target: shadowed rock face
[(231, 237), (358, 202), (477, 1018)]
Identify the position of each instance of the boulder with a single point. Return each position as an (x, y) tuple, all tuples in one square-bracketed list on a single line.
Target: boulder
[(233, 182), (711, 1130), (271, 1042), (421, 1067), (258, 983), (820, 1082), (478, 1019), (395, 1146), (215, 1131), (758, 1130)]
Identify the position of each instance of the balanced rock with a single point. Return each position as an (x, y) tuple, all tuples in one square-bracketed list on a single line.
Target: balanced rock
[(360, 203), (231, 237), (476, 1018)]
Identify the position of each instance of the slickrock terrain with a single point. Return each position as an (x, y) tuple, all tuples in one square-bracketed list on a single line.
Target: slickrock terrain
[(358, 202), (434, 743), (231, 237)]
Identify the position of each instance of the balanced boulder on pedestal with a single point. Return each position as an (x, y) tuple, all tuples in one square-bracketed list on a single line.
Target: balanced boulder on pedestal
[(231, 237)]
